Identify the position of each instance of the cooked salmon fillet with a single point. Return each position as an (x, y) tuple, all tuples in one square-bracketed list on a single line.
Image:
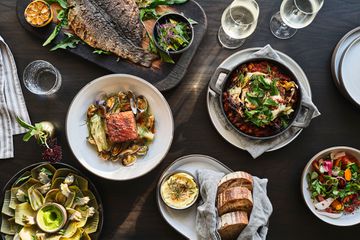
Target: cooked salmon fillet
[(121, 127)]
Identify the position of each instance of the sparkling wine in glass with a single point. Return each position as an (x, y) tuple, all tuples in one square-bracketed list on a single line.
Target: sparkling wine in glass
[(293, 15), (238, 22)]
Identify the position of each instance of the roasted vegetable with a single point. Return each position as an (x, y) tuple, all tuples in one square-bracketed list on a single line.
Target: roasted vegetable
[(22, 221), (97, 132)]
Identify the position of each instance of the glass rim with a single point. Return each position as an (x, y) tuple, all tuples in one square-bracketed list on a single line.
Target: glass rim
[(255, 18), (313, 12), (57, 83)]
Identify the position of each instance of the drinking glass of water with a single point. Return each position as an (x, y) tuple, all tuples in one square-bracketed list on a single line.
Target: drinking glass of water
[(238, 22), (293, 15), (42, 78)]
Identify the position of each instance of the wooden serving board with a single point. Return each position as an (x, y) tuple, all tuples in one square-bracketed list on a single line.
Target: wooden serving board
[(164, 78)]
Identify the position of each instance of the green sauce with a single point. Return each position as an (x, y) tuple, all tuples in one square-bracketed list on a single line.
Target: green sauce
[(50, 218)]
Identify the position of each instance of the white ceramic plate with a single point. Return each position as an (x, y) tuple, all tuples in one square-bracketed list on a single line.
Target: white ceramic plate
[(349, 71), (339, 50), (345, 220), (76, 128), (183, 221), (217, 118)]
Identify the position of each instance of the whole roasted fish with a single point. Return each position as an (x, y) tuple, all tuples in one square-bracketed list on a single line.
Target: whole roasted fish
[(110, 25)]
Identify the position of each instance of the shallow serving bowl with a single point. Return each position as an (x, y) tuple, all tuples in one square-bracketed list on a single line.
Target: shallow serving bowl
[(344, 220), (77, 132)]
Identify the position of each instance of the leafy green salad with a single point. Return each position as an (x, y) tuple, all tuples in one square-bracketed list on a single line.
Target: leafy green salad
[(334, 183)]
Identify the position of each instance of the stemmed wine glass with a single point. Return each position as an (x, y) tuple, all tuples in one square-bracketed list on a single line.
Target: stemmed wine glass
[(238, 22), (293, 15)]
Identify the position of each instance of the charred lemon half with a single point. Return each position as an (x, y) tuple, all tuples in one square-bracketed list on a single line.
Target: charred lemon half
[(38, 13)]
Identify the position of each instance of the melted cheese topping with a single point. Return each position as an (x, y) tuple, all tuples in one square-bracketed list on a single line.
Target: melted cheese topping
[(179, 190)]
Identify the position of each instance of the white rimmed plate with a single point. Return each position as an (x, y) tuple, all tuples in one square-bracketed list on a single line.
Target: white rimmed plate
[(338, 52), (183, 221), (76, 128), (344, 220), (349, 71)]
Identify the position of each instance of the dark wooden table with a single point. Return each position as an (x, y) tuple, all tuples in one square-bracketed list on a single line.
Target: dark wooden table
[(130, 207)]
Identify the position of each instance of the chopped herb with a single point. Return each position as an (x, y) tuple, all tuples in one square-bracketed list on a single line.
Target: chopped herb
[(268, 69), (270, 102), (70, 41), (154, 3), (62, 3), (99, 51), (273, 89), (46, 171), (148, 13), (192, 21), (22, 179), (179, 188)]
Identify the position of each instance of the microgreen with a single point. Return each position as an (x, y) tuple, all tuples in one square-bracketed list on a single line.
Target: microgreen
[(173, 35)]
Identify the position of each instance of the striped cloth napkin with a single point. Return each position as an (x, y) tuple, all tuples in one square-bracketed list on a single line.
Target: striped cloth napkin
[(12, 102)]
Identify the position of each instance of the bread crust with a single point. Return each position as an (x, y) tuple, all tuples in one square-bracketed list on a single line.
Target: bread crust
[(231, 224), (234, 199), (236, 179)]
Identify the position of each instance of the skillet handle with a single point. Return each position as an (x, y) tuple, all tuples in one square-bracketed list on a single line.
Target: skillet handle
[(214, 80), (309, 111)]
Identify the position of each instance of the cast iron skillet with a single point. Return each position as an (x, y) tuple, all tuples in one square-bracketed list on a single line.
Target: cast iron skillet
[(219, 87), (92, 187)]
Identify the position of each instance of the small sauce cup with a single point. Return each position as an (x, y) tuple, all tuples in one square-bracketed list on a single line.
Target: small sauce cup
[(164, 189)]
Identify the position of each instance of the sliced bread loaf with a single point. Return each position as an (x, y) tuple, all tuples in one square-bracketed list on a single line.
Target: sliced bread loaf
[(234, 199), (231, 224), (236, 179)]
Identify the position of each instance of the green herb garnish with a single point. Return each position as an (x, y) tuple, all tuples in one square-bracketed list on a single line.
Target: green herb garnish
[(99, 51), (70, 41), (63, 18), (154, 3), (173, 35)]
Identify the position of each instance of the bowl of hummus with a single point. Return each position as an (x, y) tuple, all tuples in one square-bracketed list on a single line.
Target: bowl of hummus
[(179, 190)]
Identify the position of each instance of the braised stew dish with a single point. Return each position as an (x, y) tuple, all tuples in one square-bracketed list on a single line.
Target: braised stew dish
[(261, 98)]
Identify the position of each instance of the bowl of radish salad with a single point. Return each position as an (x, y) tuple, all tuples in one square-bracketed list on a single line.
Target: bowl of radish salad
[(331, 185)]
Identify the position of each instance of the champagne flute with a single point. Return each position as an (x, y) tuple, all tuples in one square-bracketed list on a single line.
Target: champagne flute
[(293, 15), (238, 22)]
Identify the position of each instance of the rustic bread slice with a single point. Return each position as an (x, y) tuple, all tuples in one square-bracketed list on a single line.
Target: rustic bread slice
[(231, 224), (234, 199), (236, 179)]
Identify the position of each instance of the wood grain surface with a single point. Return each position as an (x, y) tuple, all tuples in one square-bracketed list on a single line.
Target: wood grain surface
[(130, 207)]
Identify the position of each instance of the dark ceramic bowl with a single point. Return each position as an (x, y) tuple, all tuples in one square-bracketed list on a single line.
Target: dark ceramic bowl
[(220, 88), (92, 187), (179, 18)]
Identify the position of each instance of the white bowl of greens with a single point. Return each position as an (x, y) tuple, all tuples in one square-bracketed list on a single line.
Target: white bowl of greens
[(330, 185)]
